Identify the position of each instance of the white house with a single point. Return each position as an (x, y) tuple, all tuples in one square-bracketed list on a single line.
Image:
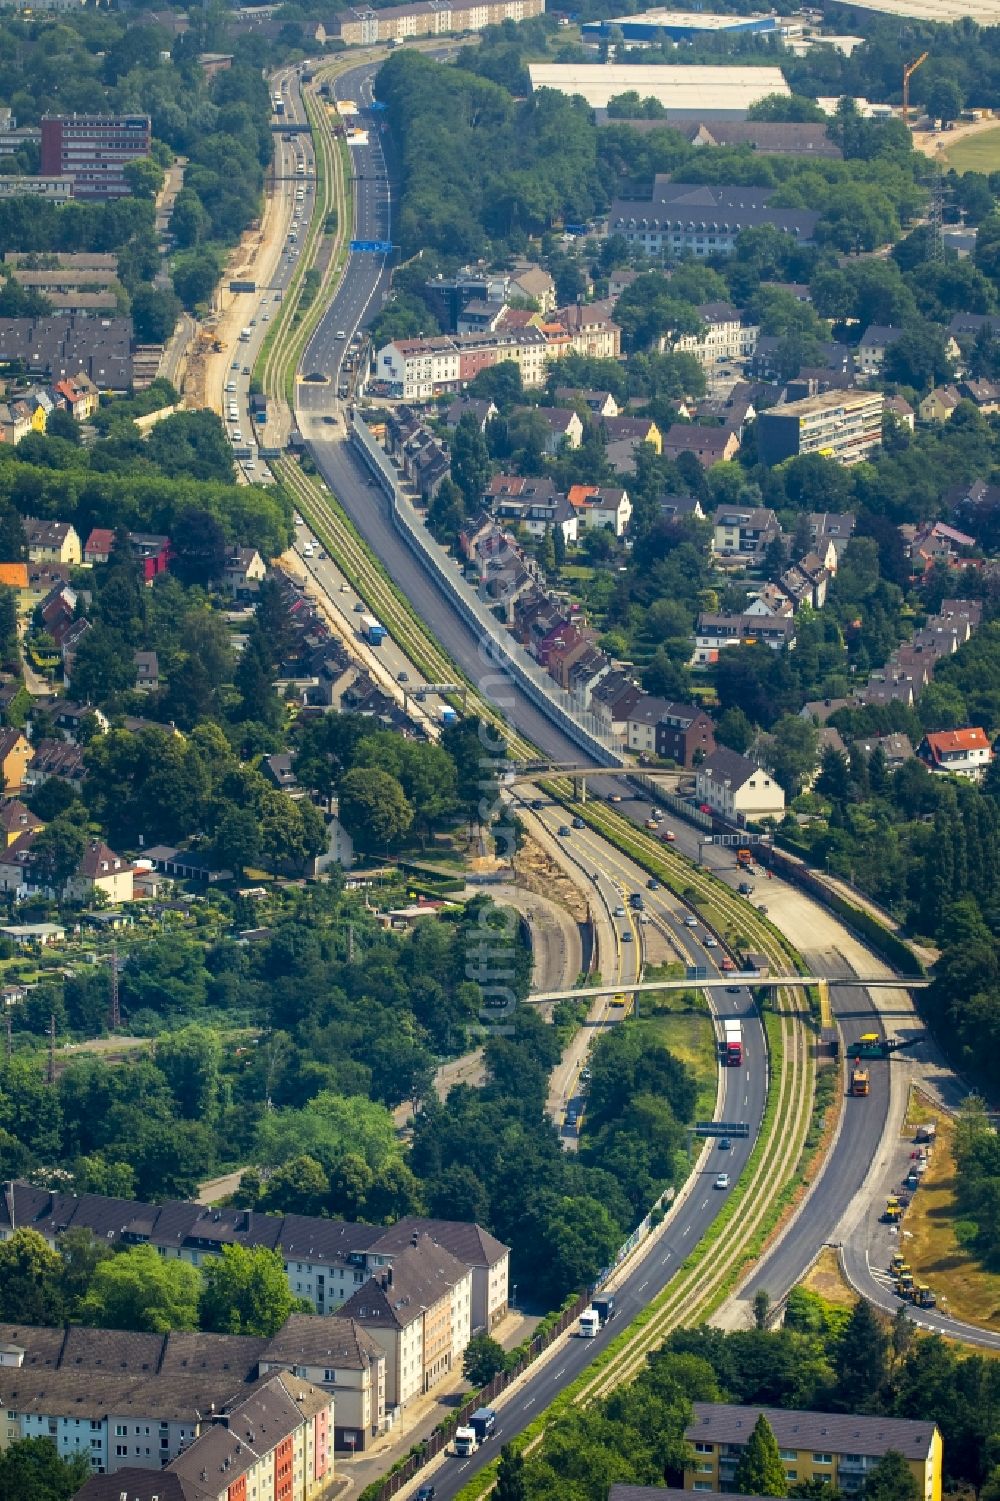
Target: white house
[(738, 789)]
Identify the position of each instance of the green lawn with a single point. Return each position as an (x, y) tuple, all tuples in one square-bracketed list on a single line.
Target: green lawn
[(977, 153), (689, 1035)]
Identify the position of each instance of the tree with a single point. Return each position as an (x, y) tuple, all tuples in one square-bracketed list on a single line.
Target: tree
[(102, 665), (761, 1307), (82, 1253), (791, 753), (470, 461), (245, 1291), (373, 807), (32, 1470), (139, 1289), (30, 1280), (834, 780), (199, 547), (154, 313), (62, 424), (760, 1471), (945, 100), (189, 1060), (861, 1360), (484, 1358), (735, 730), (57, 851), (891, 1480), (144, 177), (511, 1483), (237, 839)]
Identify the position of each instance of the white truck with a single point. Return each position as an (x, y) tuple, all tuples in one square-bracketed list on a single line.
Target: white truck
[(466, 1442), (590, 1323)]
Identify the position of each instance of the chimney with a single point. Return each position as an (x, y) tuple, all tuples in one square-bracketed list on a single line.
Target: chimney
[(388, 1277)]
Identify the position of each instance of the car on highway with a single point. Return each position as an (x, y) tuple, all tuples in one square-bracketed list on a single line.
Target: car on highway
[(614, 797), (733, 989), (345, 587), (626, 937), (426, 1493), (246, 369), (235, 365), (536, 803), (340, 334), (564, 831), (585, 1076), (571, 1116), (762, 909), (578, 823), (359, 608), (652, 884), (668, 836), (722, 1180), (619, 911), (657, 813), (710, 942), (725, 1145), (690, 921), (402, 677)]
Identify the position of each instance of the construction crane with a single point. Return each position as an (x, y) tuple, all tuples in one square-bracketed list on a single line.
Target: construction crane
[(908, 73)]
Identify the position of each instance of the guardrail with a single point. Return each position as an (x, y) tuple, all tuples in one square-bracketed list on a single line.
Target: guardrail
[(496, 646)]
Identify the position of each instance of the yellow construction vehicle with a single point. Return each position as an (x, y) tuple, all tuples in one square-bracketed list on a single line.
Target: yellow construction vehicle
[(860, 1079), (904, 1284), (923, 1297), (896, 1262), (892, 1211)]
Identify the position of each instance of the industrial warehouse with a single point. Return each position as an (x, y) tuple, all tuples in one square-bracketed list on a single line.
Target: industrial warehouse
[(676, 26), (695, 90)]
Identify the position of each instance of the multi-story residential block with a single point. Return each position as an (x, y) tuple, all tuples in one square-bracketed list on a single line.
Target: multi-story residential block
[(737, 789), (744, 531), (841, 425), (364, 27), (840, 1448), (93, 150), (326, 1261), (963, 753), (702, 219), (341, 1357), (276, 1442), (418, 1309), (724, 337)]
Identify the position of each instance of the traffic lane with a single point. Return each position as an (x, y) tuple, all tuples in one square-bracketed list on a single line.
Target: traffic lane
[(368, 510), (651, 1273), (859, 1274)]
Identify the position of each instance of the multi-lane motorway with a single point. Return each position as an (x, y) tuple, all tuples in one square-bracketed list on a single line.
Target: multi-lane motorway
[(849, 1162)]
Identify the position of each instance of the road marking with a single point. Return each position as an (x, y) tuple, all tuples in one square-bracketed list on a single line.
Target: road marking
[(748, 1075), (705, 1205), (529, 1402), (746, 1099), (466, 1465), (559, 1373), (687, 1230), (644, 1286), (665, 1259)]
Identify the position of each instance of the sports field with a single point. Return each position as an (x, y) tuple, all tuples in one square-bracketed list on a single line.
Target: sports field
[(977, 153)]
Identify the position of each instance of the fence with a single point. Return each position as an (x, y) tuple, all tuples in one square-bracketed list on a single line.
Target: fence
[(496, 644), (432, 1446)]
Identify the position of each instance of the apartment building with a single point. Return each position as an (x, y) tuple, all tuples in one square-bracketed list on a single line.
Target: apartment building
[(362, 27), (341, 1357), (326, 1261), (55, 189), (93, 150), (275, 1442), (841, 425), (840, 1448), (417, 369), (418, 1310), (725, 337), (702, 219)]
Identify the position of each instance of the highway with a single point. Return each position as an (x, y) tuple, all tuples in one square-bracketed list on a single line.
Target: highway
[(845, 1173)]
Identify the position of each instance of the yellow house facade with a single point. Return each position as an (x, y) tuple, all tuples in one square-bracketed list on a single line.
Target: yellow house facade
[(840, 1448)]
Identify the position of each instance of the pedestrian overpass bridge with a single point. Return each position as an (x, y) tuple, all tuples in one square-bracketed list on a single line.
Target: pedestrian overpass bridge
[(739, 978)]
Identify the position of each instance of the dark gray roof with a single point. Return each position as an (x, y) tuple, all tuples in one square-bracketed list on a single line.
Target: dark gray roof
[(419, 1277), (830, 1432), (667, 1493), (726, 205), (470, 1243), (139, 1485), (727, 765), (311, 1339)]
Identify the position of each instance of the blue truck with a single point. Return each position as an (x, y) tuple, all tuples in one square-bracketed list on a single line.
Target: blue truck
[(372, 630)]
